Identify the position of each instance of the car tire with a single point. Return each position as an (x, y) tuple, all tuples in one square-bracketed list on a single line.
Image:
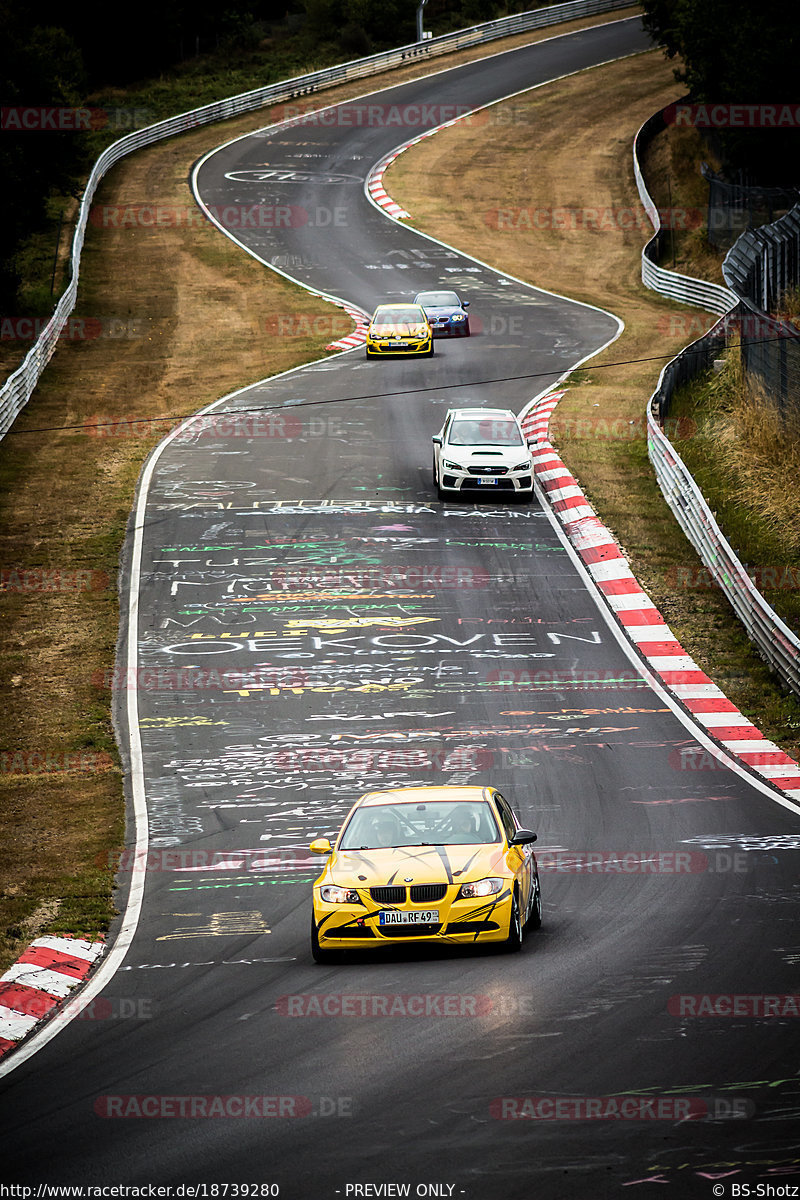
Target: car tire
[(535, 916), (429, 353), (466, 331), (514, 940), (317, 953)]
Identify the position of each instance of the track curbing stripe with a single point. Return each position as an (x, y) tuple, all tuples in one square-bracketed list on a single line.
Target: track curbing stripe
[(639, 619)]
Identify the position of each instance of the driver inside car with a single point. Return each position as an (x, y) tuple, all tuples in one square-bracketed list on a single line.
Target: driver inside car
[(385, 832), (462, 823)]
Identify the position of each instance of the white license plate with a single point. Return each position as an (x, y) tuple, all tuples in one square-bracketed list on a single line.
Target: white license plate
[(486, 479), (390, 916), (399, 345)]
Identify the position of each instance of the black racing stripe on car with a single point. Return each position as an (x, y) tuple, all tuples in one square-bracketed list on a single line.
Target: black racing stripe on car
[(467, 864), (442, 852)]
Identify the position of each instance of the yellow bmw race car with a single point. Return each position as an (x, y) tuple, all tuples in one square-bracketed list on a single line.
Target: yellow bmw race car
[(426, 864), (399, 329)]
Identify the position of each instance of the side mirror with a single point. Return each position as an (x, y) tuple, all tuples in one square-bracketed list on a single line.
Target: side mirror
[(532, 443), (321, 846), (523, 837), (465, 303), (437, 441)]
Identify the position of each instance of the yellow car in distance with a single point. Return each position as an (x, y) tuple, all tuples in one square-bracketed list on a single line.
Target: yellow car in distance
[(426, 864), (399, 329)]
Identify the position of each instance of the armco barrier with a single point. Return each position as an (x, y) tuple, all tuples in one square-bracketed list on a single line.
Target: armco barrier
[(683, 288), (775, 641), (19, 386), (761, 267)]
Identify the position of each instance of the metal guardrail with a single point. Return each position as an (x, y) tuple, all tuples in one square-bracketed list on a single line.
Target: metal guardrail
[(762, 266), (764, 263), (776, 643), (736, 207), (19, 386), (683, 288)]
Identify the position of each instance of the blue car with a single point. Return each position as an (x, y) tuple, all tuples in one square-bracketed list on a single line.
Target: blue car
[(446, 314)]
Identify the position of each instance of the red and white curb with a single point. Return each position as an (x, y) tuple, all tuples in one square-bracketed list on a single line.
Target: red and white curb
[(378, 192), (640, 619), (375, 189), (359, 335), (39, 981)]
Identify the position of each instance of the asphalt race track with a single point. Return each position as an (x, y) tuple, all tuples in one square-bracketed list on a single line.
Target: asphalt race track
[(308, 622)]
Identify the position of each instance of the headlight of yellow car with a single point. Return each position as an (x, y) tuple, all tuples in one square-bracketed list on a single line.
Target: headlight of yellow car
[(483, 887), (339, 895)]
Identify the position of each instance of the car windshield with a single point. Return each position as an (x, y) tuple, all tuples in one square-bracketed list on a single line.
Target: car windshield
[(398, 316), (437, 823), (486, 431), (439, 299)]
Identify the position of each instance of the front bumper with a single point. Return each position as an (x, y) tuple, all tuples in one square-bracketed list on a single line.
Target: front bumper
[(358, 926), (462, 481), (389, 347), (450, 328)]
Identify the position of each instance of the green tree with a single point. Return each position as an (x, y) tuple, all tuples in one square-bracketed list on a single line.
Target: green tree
[(40, 68), (737, 52)]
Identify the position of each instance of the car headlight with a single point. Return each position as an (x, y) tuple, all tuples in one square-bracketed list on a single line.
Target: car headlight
[(339, 895), (458, 317), (523, 466), (451, 466), (483, 887)]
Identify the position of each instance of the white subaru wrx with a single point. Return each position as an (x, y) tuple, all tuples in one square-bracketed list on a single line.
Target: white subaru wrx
[(482, 450)]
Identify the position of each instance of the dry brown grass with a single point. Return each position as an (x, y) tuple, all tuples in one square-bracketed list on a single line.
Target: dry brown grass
[(755, 451)]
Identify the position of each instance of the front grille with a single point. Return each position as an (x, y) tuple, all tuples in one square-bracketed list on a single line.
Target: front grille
[(427, 893), (401, 931), (488, 470), (388, 895)]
